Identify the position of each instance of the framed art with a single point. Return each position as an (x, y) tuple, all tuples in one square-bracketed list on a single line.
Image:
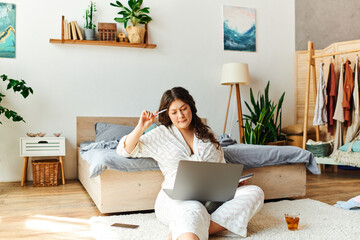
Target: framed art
[(7, 30), (239, 28)]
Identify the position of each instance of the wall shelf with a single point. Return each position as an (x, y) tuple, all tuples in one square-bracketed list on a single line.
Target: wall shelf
[(103, 43)]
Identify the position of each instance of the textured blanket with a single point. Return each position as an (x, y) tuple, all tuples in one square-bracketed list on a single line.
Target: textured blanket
[(346, 158)]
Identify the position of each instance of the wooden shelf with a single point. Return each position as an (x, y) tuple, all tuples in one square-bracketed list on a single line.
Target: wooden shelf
[(103, 43)]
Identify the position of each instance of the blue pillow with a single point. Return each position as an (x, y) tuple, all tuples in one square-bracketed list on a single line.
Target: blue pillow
[(111, 132), (355, 147), (152, 126)]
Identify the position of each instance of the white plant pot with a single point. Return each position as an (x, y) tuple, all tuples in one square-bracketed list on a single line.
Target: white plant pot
[(89, 34)]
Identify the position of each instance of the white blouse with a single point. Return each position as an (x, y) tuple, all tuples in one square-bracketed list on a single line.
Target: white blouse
[(320, 114), (167, 146)]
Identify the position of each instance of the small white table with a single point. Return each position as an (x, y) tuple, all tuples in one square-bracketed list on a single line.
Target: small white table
[(42, 147)]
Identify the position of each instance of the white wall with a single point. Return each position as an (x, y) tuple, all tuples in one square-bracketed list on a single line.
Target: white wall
[(80, 80)]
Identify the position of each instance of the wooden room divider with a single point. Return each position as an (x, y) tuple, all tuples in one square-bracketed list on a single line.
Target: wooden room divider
[(306, 63)]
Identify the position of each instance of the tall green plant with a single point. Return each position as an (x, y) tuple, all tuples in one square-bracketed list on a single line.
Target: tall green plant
[(17, 86), (89, 13), (135, 14), (263, 125)]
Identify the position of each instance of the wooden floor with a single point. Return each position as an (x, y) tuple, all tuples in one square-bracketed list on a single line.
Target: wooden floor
[(63, 212)]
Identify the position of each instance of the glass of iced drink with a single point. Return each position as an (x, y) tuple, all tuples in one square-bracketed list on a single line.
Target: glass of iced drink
[(292, 220)]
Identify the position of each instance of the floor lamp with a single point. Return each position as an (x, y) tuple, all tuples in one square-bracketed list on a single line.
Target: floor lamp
[(235, 74)]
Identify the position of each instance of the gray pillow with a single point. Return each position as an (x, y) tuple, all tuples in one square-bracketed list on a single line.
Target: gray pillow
[(111, 132)]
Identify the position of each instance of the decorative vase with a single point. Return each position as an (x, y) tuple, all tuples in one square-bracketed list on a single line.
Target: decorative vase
[(89, 34), (135, 34)]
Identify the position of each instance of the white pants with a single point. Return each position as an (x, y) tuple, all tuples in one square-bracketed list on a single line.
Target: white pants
[(191, 216)]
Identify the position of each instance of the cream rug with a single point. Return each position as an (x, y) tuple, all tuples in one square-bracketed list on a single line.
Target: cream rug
[(317, 221)]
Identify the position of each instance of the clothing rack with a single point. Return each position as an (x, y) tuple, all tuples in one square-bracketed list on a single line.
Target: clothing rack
[(311, 69)]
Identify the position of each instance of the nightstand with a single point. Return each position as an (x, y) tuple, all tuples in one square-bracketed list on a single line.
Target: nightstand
[(42, 147)]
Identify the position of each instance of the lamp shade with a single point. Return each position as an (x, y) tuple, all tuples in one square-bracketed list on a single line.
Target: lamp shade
[(235, 73)]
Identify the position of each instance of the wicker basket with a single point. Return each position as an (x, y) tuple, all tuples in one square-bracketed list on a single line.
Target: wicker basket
[(321, 150), (45, 173)]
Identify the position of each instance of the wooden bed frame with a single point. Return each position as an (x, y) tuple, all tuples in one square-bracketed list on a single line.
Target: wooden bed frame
[(116, 191)]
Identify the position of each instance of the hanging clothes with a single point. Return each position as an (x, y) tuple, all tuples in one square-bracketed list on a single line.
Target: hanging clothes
[(355, 118), (331, 96), (348, 90), (320, 114), (339, 112)]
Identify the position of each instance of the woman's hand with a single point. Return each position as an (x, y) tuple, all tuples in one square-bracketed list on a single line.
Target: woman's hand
[(146, 119), (242, 183)]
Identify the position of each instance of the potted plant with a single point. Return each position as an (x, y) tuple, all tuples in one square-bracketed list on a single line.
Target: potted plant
[(263, 125), (136, 15), (17, 86), (89, 26)]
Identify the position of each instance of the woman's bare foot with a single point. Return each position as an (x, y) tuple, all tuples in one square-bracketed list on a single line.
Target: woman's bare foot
[(215, 228), (170, 236)]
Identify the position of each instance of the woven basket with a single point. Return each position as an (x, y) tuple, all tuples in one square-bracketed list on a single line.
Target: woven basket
[(321, 150), (45, 173)]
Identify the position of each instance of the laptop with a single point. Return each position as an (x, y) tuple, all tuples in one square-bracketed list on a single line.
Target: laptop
[(205, 181)]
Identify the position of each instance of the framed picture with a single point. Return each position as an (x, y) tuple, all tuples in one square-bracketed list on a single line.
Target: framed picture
[(7, 30), (239, 28)]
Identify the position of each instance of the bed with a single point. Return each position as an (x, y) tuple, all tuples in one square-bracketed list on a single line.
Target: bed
[(117, 191)]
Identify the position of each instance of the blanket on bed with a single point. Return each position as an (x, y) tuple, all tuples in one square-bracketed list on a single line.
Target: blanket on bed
[(102, 155)]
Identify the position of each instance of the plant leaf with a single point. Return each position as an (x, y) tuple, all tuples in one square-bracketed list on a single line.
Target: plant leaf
[(145, 19), (267, 93), (17, 86), (124, 13), (145, 10), (119, 4), (114, 5), (279, 107), (1, 96), (131, 4), (121, 20)]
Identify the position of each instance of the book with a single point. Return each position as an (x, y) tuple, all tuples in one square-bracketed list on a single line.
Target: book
[(69, 31), (73, 30), (65, 30), (78, 31)]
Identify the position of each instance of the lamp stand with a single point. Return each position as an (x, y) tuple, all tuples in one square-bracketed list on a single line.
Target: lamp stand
[(227, 110), (241, 130)]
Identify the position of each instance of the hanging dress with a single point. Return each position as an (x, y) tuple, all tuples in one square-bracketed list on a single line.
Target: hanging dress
[(348, 90), (355, 118), (339, 112), (320, 114), (331, 96)]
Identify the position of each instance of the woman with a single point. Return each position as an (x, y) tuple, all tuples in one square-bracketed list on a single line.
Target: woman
[(182, 136)]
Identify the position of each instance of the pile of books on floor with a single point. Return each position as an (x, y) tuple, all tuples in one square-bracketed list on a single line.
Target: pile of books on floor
[(72, 31)]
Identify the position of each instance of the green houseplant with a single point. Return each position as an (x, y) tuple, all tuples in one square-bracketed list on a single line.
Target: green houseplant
[(17, 86), (263, 125), (89, 25), (136, 15)]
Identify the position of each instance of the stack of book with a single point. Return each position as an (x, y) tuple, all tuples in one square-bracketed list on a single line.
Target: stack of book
[(72, 31)]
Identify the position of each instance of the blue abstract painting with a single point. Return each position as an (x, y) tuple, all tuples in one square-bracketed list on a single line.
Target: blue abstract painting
[(239, 29), (7, 30)]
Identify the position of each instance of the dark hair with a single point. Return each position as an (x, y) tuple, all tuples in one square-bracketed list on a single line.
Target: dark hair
[(202, 131)]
